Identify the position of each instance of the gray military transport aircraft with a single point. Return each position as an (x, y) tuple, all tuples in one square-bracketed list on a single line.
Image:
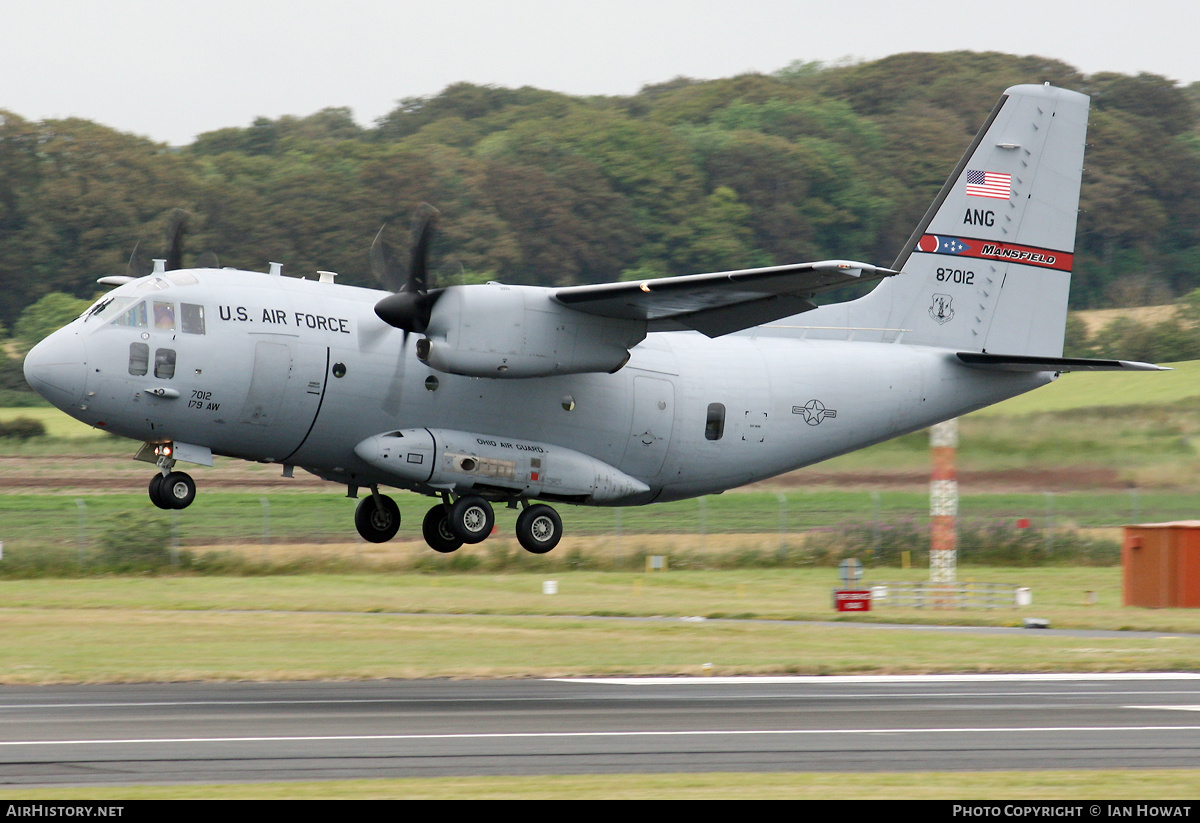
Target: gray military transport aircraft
[(619, 394)]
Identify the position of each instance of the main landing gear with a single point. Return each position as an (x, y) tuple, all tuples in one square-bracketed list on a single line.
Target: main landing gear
[(450, 524)]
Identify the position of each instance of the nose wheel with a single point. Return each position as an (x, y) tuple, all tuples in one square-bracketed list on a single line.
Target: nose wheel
[(173, 490)]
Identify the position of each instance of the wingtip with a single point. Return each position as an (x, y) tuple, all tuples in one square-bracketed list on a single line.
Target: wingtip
[(1135, 365)]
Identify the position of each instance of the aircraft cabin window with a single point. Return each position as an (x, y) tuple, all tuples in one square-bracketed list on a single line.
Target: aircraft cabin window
[(164, 316), (714, 426), (191, 318), (164, 363), (139, 358), (135, 317)]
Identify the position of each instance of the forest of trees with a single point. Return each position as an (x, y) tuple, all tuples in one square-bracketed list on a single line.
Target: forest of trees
[(539, 187)]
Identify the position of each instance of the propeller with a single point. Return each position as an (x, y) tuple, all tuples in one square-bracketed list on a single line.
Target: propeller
[(410, 305), (173, 233), (176, 230)]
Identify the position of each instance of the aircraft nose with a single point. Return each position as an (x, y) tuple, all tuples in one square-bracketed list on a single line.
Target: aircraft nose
[(55, 368)]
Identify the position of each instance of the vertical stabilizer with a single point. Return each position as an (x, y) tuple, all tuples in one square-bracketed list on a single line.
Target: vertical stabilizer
[(989, 266)]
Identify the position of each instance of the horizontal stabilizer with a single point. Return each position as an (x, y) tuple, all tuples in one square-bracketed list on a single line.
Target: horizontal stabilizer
[(1026, 363)]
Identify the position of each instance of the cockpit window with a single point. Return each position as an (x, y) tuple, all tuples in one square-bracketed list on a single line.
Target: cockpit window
[(107, 308), (153, 283), (134, 317), (164, 315), (191, 318)]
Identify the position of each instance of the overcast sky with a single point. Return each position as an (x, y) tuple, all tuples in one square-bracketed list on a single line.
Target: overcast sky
[(171, 70)]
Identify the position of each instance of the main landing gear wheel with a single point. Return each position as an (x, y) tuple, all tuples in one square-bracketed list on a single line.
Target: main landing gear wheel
[(174, 490), (472, 519), (539, 528), (437, 532), (377, 518)]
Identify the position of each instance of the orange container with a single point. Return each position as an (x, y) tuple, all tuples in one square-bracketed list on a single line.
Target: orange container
[(1161, 563)]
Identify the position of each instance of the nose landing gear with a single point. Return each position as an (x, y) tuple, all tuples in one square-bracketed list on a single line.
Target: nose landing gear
[(173, 490), (170, 489)]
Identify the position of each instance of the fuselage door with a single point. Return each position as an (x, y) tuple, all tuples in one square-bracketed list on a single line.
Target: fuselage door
[(268, 383), (650, 433), (287, 385)]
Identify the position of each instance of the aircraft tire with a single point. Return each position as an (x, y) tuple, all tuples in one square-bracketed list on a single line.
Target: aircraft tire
[(156, 496), (177, 490), (472, 519), (437, 532), (377, 523), (539, 528)]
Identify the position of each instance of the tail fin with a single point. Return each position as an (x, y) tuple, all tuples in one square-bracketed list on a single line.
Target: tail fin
[(988, 268)]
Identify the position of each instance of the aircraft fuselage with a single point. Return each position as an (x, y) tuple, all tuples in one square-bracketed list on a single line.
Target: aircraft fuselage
[(300, 372)]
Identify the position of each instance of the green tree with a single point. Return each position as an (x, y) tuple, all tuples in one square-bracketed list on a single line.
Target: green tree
[(47, 315)]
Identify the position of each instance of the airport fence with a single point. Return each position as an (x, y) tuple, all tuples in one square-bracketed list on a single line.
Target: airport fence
[(927, 595)]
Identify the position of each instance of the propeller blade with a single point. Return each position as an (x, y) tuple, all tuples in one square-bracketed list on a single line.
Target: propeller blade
[(384, 263), (139, 264), (208, 260), (177, 226), (422, 234)]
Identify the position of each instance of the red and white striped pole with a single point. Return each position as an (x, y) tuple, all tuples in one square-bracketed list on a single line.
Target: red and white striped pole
[(943, 503)]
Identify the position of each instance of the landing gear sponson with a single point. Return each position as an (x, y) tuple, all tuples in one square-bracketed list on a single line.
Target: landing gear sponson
[(451, 523), (482, 468)]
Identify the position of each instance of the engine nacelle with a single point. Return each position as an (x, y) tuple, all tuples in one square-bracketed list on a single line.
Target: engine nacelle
[(495, 330), (460, 461)]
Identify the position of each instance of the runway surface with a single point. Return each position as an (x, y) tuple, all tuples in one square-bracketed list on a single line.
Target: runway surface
[(168, 733)]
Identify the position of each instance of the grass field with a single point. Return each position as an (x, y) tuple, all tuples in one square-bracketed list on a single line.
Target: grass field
[(230, 517), (383, 625), (1004, 786), (58, 425), (1079, 390), (484, 626)]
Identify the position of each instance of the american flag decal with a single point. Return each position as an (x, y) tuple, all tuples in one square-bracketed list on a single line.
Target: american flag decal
[(989, 184)]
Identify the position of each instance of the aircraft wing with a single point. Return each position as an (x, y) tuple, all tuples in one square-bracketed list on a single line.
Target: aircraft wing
[(721, 302)]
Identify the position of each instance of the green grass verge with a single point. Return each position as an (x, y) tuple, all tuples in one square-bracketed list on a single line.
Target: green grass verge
[(1046, 785), (79, 521), (58, 424), (486, 626), (1080, 390)]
